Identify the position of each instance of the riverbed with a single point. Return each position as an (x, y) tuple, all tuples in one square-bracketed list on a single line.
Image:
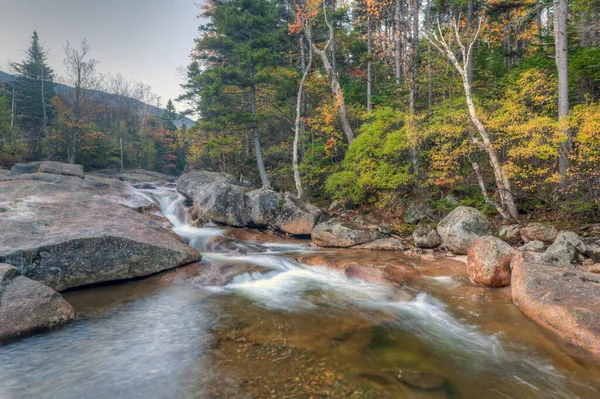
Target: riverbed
[(287, 329)]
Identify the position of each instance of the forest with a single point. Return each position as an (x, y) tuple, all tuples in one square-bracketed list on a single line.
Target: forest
[(492, 104), (85, 117)]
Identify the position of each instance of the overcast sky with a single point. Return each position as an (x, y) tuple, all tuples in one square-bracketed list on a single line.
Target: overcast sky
[(144, 40)]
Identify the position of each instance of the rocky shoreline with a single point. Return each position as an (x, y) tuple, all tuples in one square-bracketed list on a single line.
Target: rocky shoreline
[(64, 229)]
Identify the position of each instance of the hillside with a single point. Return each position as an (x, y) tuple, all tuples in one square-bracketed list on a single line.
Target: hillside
[(62, 89)]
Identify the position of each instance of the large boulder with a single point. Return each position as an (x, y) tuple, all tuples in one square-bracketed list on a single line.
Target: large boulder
[(510, 233), (426, 237), (142, 175), (262, 206), (67, 232), (567, 246), (533, 246), (489, 261), (338, 234), (222, 203), (592, 248), (461, 227), (417, 211), (190, 184), (297, 217), (25, 168), (28, 307), (562, 301), (543, 232), (4, 172), (60, 168)]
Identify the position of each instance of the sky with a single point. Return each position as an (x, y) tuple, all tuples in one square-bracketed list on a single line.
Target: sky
[(144, 40)]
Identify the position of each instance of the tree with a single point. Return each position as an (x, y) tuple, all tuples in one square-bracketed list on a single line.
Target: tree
[(169, 117), (238, 47), (562, 64), (507, 207), (81, 74), (34, 89)]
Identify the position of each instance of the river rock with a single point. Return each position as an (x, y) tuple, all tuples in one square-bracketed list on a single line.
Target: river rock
[(60, 168), (66, 232), (4, 172), (383, 244), (190, 184), (28, 307), (426, 237), (25, 168), (142, 175), (381, 273), (297, 217), (417, 211), (222, 203), (533, 246), (562, 301), (592, 248), (488, 262), (510, 233), (262, 206), (567, 245), (338, 234), (543, 232), (461, 227), (420, 380)]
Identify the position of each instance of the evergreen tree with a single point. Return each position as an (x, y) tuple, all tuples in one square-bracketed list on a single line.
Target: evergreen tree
[(237, 46), (169, 117), (33, 91)]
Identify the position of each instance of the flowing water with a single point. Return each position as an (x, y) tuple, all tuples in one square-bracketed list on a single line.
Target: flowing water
[(287, 330)]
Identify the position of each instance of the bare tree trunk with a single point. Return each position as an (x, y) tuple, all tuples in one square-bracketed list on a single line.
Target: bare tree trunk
[(562, 64), (297, 126), (398, 50), (333, 41), (429, 74), (369, 65), (259, 159), (502, 182), (121, 146), (538, 21), (470, 12), (414, 43)]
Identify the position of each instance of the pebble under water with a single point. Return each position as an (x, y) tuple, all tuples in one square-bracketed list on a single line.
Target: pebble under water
[(294, 331)]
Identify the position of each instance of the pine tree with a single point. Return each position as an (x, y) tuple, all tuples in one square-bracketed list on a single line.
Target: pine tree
[(169, 117), (237, 46), (33, 91)]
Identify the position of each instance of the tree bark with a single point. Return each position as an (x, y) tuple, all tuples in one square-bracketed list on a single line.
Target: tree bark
[(562, 65), (259, 159), (298, 123), (369, 64), (398, 50)]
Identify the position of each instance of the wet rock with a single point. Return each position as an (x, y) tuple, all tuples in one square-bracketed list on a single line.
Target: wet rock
[(420, 380), (297, 217), (60, 168), (141, 175), (190, 184), (28, 307), (417, 211), (592, 248), (222, 203), (461, 227), (405, 294), (381, 273), (262, 206), (25, 168), (67, 232), (564, 302), (426, 237), (533, 246), (343, 234), (543, 232), (510, 233), (383, 244), (489, 261), (203, 274)]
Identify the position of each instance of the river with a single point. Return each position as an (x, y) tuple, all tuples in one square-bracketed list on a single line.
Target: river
[(288, 330)]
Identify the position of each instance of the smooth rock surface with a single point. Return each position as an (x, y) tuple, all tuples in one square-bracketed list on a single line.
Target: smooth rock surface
[(60, 168), (533, 246), (488, 262), (543, 232), (4, 172), (221, 202), (340, 234), (562, 301), (383, 244), (25, 168), (67, 232), (297, 217), (426, 237), (190, 184), (461, 227), (28, 307), (262, 206)]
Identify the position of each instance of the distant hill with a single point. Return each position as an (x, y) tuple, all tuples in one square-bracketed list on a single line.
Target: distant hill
[(104, 97)]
